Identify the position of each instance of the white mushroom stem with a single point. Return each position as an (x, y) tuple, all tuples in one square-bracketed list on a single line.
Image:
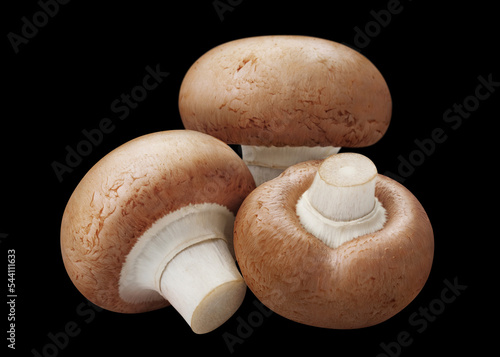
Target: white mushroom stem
[(340, 204), (187, 258), (204, 285), (266, 163)]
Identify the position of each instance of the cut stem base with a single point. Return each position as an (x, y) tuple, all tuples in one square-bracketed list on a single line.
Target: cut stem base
[(187, 258), (203, 284), (340, 204)]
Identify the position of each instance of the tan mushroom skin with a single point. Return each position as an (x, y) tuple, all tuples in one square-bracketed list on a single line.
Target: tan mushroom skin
[(286, 91), (129, 190), (361, 283)]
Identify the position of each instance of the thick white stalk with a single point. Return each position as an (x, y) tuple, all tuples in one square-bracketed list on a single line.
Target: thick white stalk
[(268, 162), (340, 204), (187, 258), (204, 285)]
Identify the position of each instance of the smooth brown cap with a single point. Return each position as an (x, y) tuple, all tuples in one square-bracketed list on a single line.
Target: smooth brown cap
[(361, 283), (286, 90), (131, 188)]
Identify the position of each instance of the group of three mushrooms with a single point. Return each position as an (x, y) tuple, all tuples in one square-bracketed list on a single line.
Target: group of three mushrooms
[(329, 242)]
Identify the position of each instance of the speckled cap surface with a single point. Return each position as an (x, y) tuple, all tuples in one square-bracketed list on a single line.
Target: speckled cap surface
[(286, 91)]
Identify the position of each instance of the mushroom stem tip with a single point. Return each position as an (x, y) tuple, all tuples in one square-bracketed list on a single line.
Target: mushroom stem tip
[(203, 284), (340, 204), (187, 258)]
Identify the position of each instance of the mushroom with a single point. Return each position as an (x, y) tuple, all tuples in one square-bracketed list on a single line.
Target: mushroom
[(285, 99), (334, 244), (151, 224)]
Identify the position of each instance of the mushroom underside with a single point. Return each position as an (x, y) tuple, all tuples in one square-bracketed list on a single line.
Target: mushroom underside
[(361, 283)]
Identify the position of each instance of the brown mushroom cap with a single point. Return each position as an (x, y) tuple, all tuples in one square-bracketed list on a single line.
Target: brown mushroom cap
[(361, 283), (131, 188), (286, 90)]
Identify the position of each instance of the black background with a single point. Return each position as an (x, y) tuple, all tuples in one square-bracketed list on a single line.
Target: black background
[(66, 77)]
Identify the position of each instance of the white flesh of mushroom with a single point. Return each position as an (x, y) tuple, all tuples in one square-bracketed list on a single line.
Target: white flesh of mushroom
[(266, 163), (340, 204), (187, 258)]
